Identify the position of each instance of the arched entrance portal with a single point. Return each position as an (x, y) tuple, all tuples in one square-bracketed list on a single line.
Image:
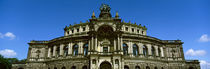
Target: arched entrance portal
[(105, 65), (20, 68), (105, 31), (191, 68)]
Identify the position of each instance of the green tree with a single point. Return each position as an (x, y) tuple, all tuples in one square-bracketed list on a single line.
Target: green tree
[(12, 60), (4, 63), (23, 61)]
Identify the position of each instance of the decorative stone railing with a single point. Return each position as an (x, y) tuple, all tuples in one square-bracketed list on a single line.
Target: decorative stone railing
[(192, 61), (33, 41), (36, 59), (105, 53), (172, 41)]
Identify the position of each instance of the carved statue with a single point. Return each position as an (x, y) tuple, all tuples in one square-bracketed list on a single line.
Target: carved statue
[(105, 7)]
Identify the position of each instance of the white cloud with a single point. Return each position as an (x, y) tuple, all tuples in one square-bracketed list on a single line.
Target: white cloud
[(192, 52), (204, 38), (9, 35), (1, 35), (204, 64), (8, 53)]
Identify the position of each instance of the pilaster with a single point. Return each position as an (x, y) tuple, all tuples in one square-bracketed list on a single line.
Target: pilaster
[(162, 54), (81, 47), (149, 49), (115, 47), (118, 43), (54, 51), (92, 44), (70, 48), (96, 43), (131, 48), (140, 45), (49, 52), (156, 50), (61, 49), (121, 44)]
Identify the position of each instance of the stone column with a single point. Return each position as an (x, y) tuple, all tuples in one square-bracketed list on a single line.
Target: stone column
[(162, 54), (182, 53), (115, 45), (121, 44), (96, 41), (118, 43), (87, 29), (71, 46), (156, 50), (54, 51), (81, 47), (70, 31), (66, 33), (89, 45), (131, 48), (69, 50), (49, 52), (61, 49), (140, 45), (149, 49), (179, 53), (92, 45)]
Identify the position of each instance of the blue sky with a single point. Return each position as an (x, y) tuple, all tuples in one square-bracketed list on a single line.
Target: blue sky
[(25, 20)]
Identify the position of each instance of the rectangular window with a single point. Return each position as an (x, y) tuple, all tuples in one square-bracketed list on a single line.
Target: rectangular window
[(67, 32), (72, 30), (83, 28), (132, 29), (126, 28), (142, 32), (105, 49), (77, 30), (137, 31)]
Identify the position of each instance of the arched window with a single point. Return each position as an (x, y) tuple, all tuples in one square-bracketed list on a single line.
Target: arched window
[(63, 68), (147, 67), (153, 51), (94, 61), (73, 67), (65, 50), (51, 49), (85, 51), (191, 68), (75, 50), (159, 52), (38, 53), (126, 67), (55, 68), (58, 51), (135, 50), (84, 67), (125, 49), (20, 68), (116, 61), (137, 67), (155, 68), (145, 52)]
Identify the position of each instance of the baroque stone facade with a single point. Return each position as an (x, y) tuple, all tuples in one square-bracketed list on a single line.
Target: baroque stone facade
[(107, 42)]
